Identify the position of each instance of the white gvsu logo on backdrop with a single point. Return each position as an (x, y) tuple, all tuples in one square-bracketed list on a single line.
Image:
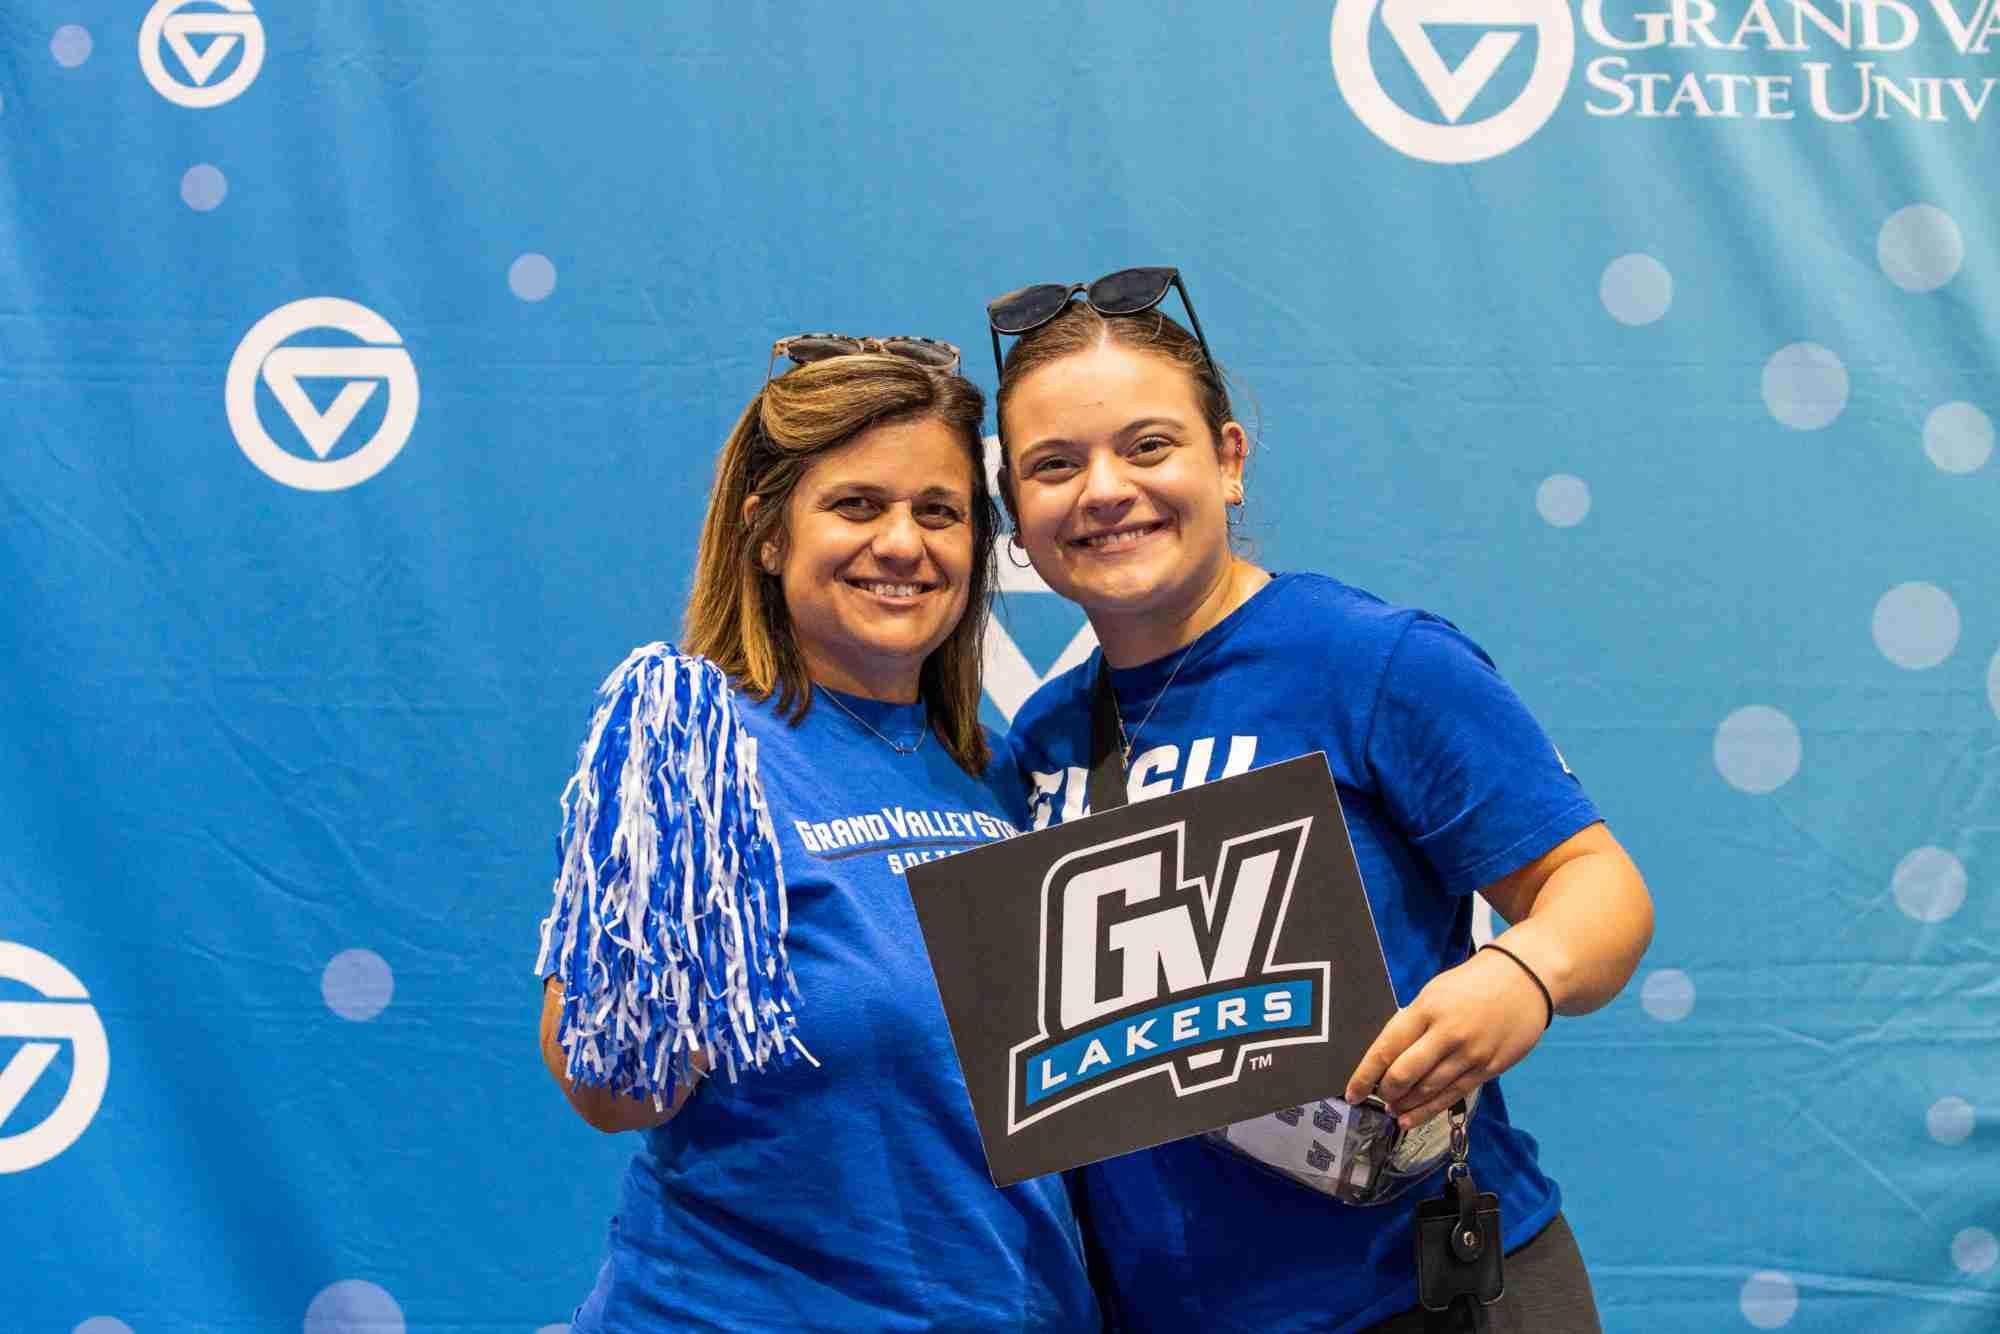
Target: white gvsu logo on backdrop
[(201, 41), (1409, 23), (381, 360), (64, 1014), (1917, 62), (1145, 970)]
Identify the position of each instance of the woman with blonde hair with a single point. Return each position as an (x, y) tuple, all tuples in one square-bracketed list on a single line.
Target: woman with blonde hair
[(841, 589)]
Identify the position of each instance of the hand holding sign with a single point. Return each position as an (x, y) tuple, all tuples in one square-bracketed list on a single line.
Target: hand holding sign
[(1155, 971)]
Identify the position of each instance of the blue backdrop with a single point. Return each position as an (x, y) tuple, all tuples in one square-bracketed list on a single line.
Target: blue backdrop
[(1651, 342)]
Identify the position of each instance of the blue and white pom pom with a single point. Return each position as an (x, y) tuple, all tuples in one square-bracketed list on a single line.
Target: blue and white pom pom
[(668, 930)]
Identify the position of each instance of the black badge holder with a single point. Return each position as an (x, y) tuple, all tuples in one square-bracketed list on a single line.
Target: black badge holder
[(1458, 1246)]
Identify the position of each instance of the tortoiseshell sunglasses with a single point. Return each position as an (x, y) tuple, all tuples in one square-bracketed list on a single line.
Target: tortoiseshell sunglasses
[(806, 348)]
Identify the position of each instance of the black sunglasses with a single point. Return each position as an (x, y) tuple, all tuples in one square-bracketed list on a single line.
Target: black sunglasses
[(1126, 292), (806, 348)]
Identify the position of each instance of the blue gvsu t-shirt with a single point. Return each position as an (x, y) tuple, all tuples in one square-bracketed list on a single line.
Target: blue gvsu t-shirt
[(1447, 784), (853, 1196)]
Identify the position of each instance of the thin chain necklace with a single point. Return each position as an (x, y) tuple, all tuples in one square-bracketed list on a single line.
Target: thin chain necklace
[(896, 746), (1124, 741)]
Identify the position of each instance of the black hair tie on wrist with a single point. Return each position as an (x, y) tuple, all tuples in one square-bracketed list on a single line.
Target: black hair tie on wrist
[(1547, 999)]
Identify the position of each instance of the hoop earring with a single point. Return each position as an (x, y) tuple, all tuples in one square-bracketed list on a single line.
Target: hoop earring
[(1014, 540)]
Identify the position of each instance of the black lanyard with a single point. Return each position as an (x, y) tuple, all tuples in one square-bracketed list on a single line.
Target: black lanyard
[(1106, 788)]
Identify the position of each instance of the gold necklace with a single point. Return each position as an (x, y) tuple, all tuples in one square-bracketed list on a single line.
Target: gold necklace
[(1124, 741)]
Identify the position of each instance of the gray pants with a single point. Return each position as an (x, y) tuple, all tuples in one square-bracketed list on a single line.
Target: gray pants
[(1548, 1291)]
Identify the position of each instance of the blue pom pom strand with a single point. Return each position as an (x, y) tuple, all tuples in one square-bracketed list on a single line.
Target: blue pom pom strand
[(668, 929)]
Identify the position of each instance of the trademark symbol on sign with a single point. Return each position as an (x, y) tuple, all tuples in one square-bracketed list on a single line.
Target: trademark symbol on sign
[(1262, 1062)]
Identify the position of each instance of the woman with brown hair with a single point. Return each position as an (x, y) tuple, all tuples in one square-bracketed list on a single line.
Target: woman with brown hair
[(841, 588), (1124, 469)]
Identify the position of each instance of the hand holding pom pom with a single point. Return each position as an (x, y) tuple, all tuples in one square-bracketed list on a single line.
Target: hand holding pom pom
[(668, 928)]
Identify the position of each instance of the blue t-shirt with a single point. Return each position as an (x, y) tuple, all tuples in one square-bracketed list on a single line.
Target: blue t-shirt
[(1447, 784), (852, 1196)]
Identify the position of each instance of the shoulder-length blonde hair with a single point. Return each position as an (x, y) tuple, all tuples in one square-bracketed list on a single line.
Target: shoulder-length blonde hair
[(736, 615)]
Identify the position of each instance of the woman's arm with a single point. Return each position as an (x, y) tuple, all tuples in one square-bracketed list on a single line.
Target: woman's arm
[(1581, 920), (604, 1110)]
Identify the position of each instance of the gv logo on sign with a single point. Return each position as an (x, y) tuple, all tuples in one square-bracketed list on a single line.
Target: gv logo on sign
[(226, 26), (1453, 90), (1144, 970), (382, 360), (63, 1015)]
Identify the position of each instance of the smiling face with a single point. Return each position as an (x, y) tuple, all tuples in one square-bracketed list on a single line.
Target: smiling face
[(1121, 493), (877, 558)]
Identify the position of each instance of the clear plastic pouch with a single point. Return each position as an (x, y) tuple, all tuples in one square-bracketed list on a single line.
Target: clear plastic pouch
[(1354, 1152)]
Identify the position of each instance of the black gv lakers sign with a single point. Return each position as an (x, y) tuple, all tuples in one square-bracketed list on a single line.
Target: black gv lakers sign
[(1156, 970)]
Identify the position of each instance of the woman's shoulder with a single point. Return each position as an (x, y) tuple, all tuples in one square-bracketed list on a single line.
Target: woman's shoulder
[(1379, 646), (1310, 591), (1057, 703), (1002, 782), (1308, 606), (1410, 643)]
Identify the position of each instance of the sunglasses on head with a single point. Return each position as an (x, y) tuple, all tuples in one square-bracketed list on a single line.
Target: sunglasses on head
[(1126, 292), (806, 348)]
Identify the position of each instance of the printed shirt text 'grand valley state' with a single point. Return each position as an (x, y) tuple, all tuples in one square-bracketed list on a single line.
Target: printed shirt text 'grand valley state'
[(907, 836)]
